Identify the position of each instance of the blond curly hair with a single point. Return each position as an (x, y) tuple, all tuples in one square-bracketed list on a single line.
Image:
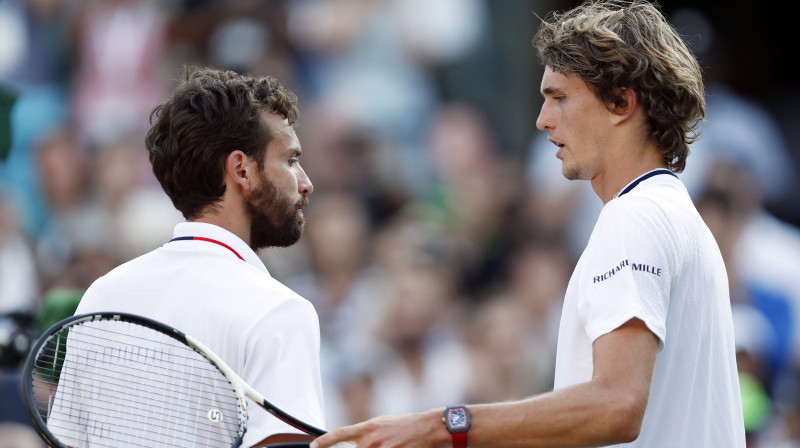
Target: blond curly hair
[(614, 45)]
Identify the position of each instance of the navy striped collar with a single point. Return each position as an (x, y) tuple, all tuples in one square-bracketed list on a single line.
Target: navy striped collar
[(644, 176), (204, 231), (209, 240)]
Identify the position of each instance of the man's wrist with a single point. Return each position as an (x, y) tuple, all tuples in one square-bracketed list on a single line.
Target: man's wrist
[(457, 421), (438, 433)]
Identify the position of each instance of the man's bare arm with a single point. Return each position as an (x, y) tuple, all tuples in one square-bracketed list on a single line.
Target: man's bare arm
[(606, 410)]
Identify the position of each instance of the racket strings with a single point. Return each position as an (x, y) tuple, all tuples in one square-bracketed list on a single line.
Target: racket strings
[(134, 435), (119, 377), (150, 410), (45, 361), (108, 407), (108, 337), (121, 384)]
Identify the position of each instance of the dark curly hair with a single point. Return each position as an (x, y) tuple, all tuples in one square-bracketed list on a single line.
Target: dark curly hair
[(209, 114), (614, 45)]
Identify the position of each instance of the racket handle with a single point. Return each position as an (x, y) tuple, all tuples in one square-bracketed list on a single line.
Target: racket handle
[(284, 445)]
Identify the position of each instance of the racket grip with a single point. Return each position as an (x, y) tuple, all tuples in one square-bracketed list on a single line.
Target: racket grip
[(285, 445)]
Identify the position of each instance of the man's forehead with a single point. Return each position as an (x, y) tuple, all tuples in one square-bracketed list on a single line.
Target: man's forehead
[(278, 125), (551, 78), (556, 81), (275, 120)]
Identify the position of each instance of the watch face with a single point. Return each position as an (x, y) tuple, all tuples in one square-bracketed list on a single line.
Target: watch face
[(457, 418)]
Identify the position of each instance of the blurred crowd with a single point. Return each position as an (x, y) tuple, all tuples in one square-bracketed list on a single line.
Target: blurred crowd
[(440, 236)]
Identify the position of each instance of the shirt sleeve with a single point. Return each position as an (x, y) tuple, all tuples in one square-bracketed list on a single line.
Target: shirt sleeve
[(630, 269), (91, 300), (282, 363)]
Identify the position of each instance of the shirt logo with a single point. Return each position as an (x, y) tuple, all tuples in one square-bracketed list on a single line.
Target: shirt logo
[(646, 268), (623, 264)]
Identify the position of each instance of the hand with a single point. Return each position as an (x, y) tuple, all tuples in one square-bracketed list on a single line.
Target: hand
[(423, 430)]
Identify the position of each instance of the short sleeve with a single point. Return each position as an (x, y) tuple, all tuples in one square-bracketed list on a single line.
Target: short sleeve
[(282, 363), (629, 270)]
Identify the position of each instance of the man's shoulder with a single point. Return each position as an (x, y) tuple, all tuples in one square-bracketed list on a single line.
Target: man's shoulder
[(159, 271), (127, 268), (632, 210), (120, 277), (252, 287), (639, 220), (659, 200), (148, 259)]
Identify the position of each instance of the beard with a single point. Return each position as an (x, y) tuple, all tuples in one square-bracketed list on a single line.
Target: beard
[(276, 219), (571, 173)]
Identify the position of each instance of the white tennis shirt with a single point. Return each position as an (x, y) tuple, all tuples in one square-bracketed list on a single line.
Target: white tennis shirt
[(651, 257), (264, 331)]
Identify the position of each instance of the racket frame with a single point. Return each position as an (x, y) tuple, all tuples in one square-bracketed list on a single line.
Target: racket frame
[(240, 387)]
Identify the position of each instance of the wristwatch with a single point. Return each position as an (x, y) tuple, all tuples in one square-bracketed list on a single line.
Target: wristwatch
[(456, 420)]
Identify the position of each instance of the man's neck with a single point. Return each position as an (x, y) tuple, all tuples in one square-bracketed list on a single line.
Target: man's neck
[(608, 184), (222, 220)]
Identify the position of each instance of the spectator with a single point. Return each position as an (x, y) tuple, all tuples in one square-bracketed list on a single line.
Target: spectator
[(416, 117), (19, 282), (424, 361)]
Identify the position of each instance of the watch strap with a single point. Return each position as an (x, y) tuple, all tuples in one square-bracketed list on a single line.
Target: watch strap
[(457, 421), (459, 439)]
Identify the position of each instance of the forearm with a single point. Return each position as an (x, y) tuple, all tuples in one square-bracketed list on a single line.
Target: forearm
[(607, 410), (589, 414)]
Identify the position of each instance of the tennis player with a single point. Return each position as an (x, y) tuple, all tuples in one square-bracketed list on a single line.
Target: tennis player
[(224, 150), (645, 352)]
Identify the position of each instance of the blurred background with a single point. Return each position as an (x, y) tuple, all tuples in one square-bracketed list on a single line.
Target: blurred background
[(441, 234)]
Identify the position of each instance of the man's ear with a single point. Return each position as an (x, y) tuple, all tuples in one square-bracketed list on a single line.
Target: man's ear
[(624, 108), (240, 170)]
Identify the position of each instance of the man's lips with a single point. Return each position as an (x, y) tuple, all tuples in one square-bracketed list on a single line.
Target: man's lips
[(300, 205), (560, 145)]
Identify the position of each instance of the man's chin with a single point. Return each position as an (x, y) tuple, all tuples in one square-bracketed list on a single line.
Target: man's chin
[(291, 241), (571, 172), (285, 240)]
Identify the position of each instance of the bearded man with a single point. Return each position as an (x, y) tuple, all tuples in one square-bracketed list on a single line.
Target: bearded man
[(224, 149)]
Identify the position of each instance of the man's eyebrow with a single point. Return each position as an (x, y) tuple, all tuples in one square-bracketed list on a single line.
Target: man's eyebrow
[(296, 151), (552, 91)]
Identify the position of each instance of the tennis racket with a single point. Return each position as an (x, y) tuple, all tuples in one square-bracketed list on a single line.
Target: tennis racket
[(121, 380)]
